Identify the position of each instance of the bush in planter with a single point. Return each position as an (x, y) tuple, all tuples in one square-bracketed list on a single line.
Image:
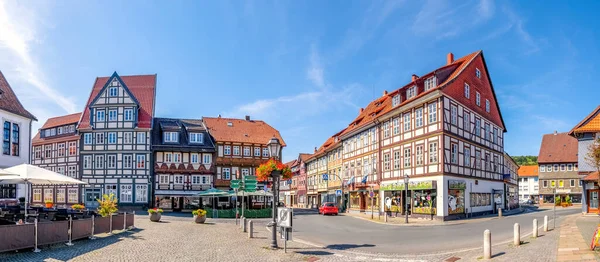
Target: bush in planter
[(155, 210), (107, 205), (557, 201)]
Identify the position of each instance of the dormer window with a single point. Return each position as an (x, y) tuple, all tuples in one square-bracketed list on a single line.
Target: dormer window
[(411, 92), (229, 124), (170, 137), (430, 83), (197, 138), (396, 100), (112, 91)]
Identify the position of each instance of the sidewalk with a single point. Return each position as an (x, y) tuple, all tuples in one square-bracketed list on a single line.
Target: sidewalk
[(400, 221), (571, 245)]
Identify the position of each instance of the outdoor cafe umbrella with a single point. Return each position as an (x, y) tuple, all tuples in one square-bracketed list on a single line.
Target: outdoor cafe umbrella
[(33, 175), (3, 172), (213, 192)]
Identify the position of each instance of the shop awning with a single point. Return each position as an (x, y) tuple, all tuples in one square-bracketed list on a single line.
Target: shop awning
[(176, 193)]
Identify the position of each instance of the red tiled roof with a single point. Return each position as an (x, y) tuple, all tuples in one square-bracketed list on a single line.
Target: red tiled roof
[(9, 101), (304, 156), (464, 62), (291, 163), (558, 148), (242, 131), (142, 87), (525, 171), (36, 141), (369, 113), (61, 120), (591, 123), (591, 177)]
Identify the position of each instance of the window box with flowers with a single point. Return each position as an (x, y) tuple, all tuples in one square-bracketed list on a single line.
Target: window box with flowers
[(155, 214)]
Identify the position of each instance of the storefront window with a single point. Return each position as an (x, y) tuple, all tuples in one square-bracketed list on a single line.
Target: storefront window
[(481, 199), (423, 202), (191, 202), (393, 202), (164, 202), (456, 196), (354, 200)]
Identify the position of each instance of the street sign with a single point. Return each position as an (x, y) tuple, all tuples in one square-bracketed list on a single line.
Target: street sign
[(371, 193), (235, 184), (286, 233), (284, 217), (249, 184), (289, 181), (338, 192), (325, 177)]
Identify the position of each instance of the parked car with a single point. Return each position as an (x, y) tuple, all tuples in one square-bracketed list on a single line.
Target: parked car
[(328, 208)]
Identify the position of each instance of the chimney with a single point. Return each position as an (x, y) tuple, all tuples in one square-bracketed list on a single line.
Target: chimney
[(384, 92), (219, 115), (449, 58), (415, 77), (361, 110), (555, 132), (247, 118), (315, 149)]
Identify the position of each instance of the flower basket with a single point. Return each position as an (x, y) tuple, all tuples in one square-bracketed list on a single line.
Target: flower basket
[(265, 170), (200, 219), (155, 214), (49, 204)]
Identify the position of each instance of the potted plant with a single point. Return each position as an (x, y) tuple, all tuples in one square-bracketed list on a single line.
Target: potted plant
[(155, 214), (78, 207), (263, 172), (107, 205), (49, 204), (199, 216)]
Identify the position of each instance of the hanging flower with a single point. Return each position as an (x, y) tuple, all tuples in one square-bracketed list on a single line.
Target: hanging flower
[(263, 172)]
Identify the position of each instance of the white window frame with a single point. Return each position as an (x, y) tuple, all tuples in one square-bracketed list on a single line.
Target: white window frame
[(48, 195), (206, 159), (111, 189), (487, 105), (100, 116), (176, 157), (406, 121), (418, 117), (140, 159), (72, 145), (163, 179), (127, 138), (467, 91), (113, 115), (454, 153), (99, 138), (396, 100), (569, 167), (72, 171), (227, 150), (236, 150), (246, 151), (454, 114), (477, 98), (126, 193), (194, 158), (113, 91), (112, 137), (407, 157), (265, 152), (257, 151), (141, 138), (477, 73), (196, 138), (170, 137), (542, 168), (386, 130), (196, 180), (87, 139), (466, 120), (430, 83), (419, 155), (72, 195), (37, 195), (128, 161), (433, 150), (397, 159), (467, 157), (411, 92), (432, 111), (226, 173), (141, 193), (87, 162), (396, 128), (245, 172), (61, 195), (109, 163), (99, 162), (178, 179), (128, 115), (61, 149)]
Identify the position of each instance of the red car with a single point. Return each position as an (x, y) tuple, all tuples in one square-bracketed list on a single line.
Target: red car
[(328, 208)]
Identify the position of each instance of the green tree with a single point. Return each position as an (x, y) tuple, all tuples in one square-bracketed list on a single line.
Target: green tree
[(107, 205)]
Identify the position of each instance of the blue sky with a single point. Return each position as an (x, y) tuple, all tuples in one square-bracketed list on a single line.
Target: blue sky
[(306, 67)]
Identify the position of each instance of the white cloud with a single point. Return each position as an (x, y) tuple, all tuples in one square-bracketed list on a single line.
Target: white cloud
[(315, 71), (486, 9), (19, 27), (444, 20)]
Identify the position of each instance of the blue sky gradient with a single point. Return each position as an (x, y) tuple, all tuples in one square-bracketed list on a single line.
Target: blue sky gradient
[(305, 67)]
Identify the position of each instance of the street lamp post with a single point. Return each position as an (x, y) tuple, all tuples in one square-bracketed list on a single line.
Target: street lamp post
[(274, 147), (406, 178)]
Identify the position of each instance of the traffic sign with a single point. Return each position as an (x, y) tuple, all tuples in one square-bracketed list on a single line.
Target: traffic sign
[(250, 184), (289, 181), (235, 184), (325, 177), (372, 193), (338, 192), (284, 217)]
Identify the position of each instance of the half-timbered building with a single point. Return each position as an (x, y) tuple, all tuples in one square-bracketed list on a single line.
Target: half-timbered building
[(511, 181), (183, 162), (56, 148), (241, 146), (16, 136), (299, 179), (115, 144)]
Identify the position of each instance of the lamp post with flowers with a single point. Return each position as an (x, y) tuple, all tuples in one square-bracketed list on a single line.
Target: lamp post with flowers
[(275, 170)]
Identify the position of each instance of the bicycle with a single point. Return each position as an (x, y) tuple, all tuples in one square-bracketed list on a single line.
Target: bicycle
[(596, 239)]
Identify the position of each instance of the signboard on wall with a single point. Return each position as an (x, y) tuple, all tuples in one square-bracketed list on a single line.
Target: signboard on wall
[(423, 185), (456, 196)]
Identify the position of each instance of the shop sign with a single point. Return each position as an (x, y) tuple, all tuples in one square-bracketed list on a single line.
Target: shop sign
[(457, 184), (411, 186)]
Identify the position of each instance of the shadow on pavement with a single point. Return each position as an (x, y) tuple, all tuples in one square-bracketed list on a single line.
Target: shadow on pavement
[(315, 253), (499, 254), (347, 246)]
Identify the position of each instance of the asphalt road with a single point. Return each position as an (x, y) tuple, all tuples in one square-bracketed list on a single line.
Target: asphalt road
[(353, 234)]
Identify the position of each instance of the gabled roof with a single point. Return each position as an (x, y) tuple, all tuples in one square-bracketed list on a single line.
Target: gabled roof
[(291, 163), (591, 123), (462, 63), (241, 130), (369, 114), (528, 171), (558, 148), (9, 101), (62, 120), (183, 127), (303, 156), (142, 89)]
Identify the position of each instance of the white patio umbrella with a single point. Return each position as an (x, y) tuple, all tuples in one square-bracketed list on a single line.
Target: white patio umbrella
[(6, 173), (33, 175)]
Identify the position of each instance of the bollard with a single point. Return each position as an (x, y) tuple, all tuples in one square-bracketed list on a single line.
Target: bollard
[(250, 229), (385, 217), (132, 225), (487, 244), (241, 224), (517, 237), (499, 212), (70, 231), (93, 225), (36, 249), (244, 225), (545, 223), (125, 221), (535, 228), (110, 226)]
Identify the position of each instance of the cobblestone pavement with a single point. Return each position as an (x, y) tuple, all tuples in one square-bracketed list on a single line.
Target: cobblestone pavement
[(178, 239)]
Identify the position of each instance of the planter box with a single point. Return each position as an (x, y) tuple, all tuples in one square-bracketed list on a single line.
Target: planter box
[(200, 219), (154, 217)]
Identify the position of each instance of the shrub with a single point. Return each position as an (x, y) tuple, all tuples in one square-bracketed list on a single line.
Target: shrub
[(107, 205), (199, 212), (78, 207)]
